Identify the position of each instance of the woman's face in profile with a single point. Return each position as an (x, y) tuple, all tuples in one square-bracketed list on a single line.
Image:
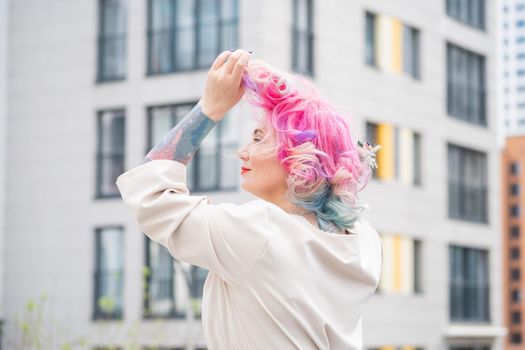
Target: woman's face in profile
[(266, 177)]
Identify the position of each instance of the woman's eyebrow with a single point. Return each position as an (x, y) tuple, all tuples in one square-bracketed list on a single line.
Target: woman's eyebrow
[(257, 130)]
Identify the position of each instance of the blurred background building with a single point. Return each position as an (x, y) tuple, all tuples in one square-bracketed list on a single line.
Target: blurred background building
[(511, 47), (513, 243), (93, 85), (3, 148), (511, 102)]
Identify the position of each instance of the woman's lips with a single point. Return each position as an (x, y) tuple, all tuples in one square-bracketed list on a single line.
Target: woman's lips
[(244, 170)]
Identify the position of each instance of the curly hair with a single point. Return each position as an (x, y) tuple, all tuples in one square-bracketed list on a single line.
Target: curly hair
[(313, 142)]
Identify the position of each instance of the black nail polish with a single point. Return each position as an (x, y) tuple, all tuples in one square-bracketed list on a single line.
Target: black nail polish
[(231, 50)]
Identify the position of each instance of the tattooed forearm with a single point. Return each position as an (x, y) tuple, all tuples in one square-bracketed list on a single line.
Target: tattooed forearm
[(183, 140)]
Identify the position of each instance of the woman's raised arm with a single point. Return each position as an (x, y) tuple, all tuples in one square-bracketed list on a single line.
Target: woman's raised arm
[(222, 91)]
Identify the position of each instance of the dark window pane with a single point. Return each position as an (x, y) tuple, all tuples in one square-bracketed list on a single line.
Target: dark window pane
[(188, 35), (515, 338), (469, 285), (302, 37), (467, 181), (110, 151), (514, 168), (109, 272), (214, 166), (370, 39), (471, 12), (411, 51), (112, 40), (466, 85)]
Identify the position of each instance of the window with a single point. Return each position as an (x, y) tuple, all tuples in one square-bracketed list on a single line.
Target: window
[(466, 85), (467, 184), (469, 284), (370, 39), (214, 166), (515, 338), (515, 253), (187, 35), (515, 296), (515, 231), (515, 210), (471, 347), (303, 37), (514, 168), (399, 45), (112, 40), (109, 273), (514, 189), (401, 276), (515, 274), (168, 282), (110, 151), (400, 154), (516, 317), (411, 51), (471, 12), (417, 266)]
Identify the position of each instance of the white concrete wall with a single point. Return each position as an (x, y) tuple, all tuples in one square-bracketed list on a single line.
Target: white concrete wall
[(53, 101), (3, 145)]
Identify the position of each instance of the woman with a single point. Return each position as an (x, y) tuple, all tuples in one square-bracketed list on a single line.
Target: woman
[(294, 268)]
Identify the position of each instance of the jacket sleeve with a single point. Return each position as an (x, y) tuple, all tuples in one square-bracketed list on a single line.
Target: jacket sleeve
[(224, 238)]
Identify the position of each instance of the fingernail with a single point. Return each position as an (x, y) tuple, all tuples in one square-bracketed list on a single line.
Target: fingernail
[(232, 50)]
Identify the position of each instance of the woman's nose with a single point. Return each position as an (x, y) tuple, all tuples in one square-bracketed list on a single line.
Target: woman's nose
[(243, 154)]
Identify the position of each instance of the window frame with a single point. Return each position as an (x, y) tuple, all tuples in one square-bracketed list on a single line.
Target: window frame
[(99, 314), (195, 65), (196, 187), (102, 37), (99, 153), (464, 187), (461, 84), (299, 34)]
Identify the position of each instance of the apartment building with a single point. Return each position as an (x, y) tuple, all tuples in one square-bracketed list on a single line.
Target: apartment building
[(513, 181), (511, 59), (93, 85)]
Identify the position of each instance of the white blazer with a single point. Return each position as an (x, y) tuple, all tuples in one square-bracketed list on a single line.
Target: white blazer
[(275, 281)]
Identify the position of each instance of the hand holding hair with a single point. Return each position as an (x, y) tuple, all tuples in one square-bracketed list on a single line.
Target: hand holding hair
[(224, 87), (223, 90)]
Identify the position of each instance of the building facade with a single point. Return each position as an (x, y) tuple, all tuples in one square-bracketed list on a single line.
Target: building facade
[(513, 202), (511, 63), (93, 85)]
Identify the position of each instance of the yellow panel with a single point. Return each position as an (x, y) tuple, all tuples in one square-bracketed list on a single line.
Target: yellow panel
[(397, 46), (388, 347), (385, 156), (384, 40), (408, 347), (396, 247)]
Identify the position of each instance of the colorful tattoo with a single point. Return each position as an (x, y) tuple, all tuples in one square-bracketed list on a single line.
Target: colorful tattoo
[(181, 142)]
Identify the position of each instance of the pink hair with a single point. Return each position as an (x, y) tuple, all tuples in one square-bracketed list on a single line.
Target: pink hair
[(313, 142)]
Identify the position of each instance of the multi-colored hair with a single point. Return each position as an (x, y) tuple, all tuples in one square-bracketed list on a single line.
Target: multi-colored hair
[(313, 142)]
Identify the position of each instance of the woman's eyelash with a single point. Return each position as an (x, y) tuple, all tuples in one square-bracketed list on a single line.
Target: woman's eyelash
[(256, 139)]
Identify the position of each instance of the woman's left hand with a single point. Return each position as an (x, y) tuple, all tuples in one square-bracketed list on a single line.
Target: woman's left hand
[(223, 87)]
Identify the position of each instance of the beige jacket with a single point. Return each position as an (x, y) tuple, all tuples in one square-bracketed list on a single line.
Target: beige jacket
[(275, 281)]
